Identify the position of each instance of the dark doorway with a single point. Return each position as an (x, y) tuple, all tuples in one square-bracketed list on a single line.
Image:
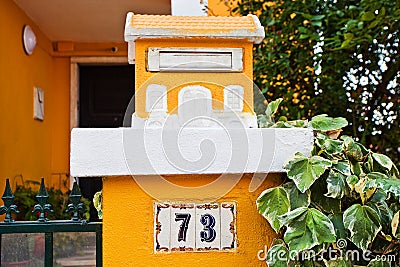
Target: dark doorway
[(104, 95)]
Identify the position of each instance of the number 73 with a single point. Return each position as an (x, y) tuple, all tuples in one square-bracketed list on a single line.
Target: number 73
[(208, 233)]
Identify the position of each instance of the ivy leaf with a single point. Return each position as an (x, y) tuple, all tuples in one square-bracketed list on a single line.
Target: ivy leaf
[(337, 186), (363, 223), (272, 203), (339, 262), (328, 205), (330, 146), (379, 196), (273, 107), (376, 176), (353, 150), (364, 191), (379, 263), (325, 123), (296, 198), (356, 168), (351, 181), (306, 228), (383, 160), (337, 220), (290, 124), (304, 171), (384, 213), (388, 184), (395, 225), (343, 167), (278, 256)]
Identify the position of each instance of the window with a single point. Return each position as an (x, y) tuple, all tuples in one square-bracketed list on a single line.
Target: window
[(156, 98), (233, 98)]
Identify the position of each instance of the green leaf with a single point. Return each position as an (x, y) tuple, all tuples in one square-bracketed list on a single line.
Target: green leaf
[(325, 123), (391, 185), (363, 223), (377, 176), (337, 220), (368, 16), (290, 124), (384, 212), (304, 171), (383, 160), (306, 228), (351, 181), (345, 44), (330, 146), (339, 262), (316, 23), (395, 225), (356, 168), (271, 203), (278, 256), (354, 151), (328, 205), (348, 36), (379, 263), (273, 107), (337, 186), (304, 36), (263, 121), (317, 17), (379, 196), (343, 167), (296, 198)]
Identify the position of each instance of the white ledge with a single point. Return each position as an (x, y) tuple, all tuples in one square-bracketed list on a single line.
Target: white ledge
[(128, 151)]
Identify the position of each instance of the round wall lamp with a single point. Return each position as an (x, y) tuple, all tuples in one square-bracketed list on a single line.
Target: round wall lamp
[(29, 40)]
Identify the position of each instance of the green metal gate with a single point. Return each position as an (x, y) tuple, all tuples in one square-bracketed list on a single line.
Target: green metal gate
[(46, 227)]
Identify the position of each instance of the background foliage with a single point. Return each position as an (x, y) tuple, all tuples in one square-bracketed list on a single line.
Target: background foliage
[(334, 57), (338, 207)]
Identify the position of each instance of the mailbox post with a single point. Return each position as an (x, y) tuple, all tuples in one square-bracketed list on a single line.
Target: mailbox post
[(180, 185)]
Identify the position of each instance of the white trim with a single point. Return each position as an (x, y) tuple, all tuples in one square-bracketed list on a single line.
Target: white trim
[(128, 151), (195, 59)]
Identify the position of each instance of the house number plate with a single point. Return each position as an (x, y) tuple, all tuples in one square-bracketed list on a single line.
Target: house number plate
[(194, 227)]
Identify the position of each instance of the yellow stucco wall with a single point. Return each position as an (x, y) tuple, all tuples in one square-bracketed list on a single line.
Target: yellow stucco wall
[(175, 81), (25, 147), (29, 148), (128, 224)]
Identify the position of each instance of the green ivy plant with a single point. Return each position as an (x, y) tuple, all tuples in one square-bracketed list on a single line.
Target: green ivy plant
[(339, 206)]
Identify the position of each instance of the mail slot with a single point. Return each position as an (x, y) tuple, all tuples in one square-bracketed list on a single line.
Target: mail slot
[(195, 59)]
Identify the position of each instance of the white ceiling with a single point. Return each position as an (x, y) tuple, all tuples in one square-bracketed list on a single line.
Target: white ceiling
[(88, 20)]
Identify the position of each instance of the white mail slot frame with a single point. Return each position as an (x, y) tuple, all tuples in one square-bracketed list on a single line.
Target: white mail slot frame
[(195, 59)]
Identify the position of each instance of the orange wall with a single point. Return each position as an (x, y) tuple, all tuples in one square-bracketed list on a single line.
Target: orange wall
[(213, 81), (125, 203), (25, 147), (30, 148), (221, 7)]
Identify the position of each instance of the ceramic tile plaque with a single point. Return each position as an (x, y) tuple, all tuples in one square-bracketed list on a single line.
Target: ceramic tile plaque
[(194, 227)]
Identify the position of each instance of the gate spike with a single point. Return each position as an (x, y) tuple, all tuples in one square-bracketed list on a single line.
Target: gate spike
[(43, 208), (76, 207), (8, 199)]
